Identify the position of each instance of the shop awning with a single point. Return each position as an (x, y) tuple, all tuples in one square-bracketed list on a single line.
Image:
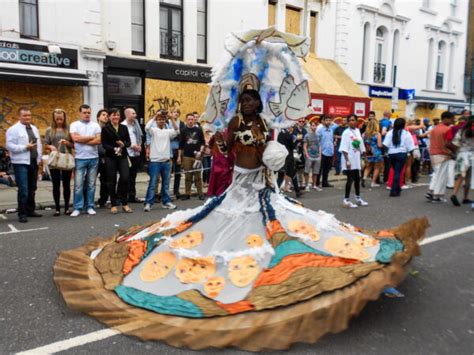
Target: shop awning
[(327, 77), (333, 92), (43, 77)]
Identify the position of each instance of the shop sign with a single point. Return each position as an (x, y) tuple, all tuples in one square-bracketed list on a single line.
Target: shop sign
[(380, 91), (457, 110), (359, 108), (184, 73), (318, 106), (406, 94), (339, 110), (33, 54)]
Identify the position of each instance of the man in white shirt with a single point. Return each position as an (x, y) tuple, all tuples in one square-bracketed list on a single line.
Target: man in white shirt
[(135, 132), (159, 156), (86, 136), (24, 145)]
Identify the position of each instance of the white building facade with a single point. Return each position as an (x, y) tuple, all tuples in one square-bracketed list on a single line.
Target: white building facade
[(153, 54)]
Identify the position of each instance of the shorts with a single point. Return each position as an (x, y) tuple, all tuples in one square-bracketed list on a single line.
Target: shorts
[(312, 166), (464, 161)]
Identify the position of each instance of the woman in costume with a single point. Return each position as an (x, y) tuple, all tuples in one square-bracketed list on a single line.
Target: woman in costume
[(208, 271)]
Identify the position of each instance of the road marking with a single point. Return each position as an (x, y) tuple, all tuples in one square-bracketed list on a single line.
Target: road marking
[(3, 216), (71, 343), (448, 235), (14, 230), (107, 333)]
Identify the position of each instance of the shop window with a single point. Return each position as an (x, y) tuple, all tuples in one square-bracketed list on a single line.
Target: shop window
[(293, 21), (29, 27), (201, 31), (171, 29), (138, 27), (124, 85), (313, 23)]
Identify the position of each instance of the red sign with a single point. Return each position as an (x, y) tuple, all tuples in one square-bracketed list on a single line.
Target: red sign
[(339, 110)]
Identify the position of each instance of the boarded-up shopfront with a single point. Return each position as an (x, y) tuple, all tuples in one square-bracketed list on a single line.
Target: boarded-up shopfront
[(149, 86), (32, 77), (333, 92)]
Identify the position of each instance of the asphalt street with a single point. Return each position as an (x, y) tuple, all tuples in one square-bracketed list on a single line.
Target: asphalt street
[(435, 316)]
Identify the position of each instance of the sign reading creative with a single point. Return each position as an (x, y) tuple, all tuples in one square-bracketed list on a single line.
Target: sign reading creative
[(33, 54)]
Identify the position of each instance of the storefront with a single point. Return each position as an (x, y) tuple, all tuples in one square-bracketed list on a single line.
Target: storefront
[(434, 107), (333, 92), (32, 76), (152, 85)]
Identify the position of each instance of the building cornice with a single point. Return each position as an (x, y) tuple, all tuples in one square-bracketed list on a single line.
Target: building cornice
[(376, 11)]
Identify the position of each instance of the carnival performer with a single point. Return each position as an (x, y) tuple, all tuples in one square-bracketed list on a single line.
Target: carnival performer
[(206, 273)]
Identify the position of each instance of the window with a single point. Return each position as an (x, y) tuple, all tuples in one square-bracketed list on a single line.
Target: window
[(396, 44), (293, 21), (202, 31), (29, 18), (379, 67), (429, 71), (138, 27), (365, 52), (271, 13), (312, 31), (171, 29), (454, 6), (124, 85), (440, 65)]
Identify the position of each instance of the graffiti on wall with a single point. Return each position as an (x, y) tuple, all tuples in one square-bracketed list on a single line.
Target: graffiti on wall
[(162, 103), (9, 113)]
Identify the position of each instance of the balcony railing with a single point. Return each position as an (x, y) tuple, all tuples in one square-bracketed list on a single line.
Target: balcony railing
[(439, 81), (379, 73)]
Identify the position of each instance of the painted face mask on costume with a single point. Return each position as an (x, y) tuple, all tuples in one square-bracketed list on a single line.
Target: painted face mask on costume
[(303, 228), (366, 242), (195, 270), (254, 241), (344, 248), (188, 241), (158, 266), (214, 286), (243, 270)]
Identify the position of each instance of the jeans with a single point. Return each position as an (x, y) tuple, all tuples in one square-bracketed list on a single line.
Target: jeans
[(206, 169), (337, 162), (118, 191), (56, 177), (26, 177), (156, 169), (85, 167), (397, 161)]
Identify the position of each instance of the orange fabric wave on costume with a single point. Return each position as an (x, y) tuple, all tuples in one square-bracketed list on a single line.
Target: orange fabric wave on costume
[(385, 233), (183, 226), (236, 307), (274, 227), (292, 263), (136, 249)]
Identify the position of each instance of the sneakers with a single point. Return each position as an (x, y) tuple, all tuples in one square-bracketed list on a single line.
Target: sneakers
[(373, 184), (361, 202), (168, 206), (438, 200), (348, 204), (91, 212), (75, 213), (429, 196), (317, 188), (307, 188), (406, 187), (147, 207)]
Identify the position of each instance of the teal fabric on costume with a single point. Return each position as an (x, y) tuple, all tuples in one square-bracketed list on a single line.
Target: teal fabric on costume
[(388, 247), (151, 242), (292, 247), (171, 305)]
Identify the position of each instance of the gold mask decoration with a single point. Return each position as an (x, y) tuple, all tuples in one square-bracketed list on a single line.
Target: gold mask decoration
[(158, 266), (214, 286), (344, 248), (243, 270), (254, 241), (195, 270), (304, 228), (188, 241)]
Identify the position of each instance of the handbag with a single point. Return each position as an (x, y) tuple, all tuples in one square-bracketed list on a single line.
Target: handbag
[(61, 161)]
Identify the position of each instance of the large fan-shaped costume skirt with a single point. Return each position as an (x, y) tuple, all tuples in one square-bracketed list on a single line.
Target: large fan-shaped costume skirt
[(250, 268)]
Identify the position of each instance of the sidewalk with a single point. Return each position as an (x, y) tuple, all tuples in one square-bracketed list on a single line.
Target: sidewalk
[(44, 193)]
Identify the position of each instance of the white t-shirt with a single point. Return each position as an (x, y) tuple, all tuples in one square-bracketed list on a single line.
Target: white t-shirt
[(133, 140), (85, 151), (347, 138), (160, 141), (406, 143)]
